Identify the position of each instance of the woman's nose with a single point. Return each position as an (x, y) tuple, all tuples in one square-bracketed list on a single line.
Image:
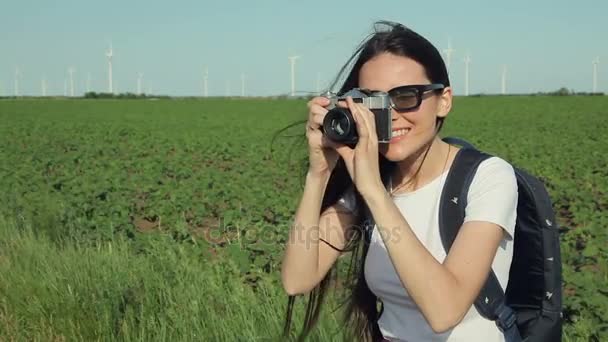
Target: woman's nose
[(394, 115)]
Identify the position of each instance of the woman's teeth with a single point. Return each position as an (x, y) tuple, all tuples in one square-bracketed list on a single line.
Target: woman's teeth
[(400, 132)]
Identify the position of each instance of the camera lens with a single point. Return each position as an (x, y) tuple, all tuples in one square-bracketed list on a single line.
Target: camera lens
[(339, 126)]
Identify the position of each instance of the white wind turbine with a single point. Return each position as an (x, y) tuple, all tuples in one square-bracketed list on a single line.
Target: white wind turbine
[(139, 78), (17, 76), (595, 63), (504, 80), (448, 54), (292, 61), (110, 54), (243, 85), (467, 61), (71, 71), (43, 85), (205, 81)]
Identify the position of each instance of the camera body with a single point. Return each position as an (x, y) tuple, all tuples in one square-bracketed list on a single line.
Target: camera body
[(339, 124)]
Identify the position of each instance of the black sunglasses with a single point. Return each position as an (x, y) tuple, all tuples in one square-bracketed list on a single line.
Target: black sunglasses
[(409, 97)]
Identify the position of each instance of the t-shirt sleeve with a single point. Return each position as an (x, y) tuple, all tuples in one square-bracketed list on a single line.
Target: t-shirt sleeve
[(493, 195), (348, 200)]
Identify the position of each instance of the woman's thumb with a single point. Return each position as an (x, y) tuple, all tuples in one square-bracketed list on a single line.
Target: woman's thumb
[(344, 151)]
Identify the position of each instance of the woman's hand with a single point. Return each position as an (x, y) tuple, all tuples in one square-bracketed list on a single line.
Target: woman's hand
[(362, 161), (321, 151)]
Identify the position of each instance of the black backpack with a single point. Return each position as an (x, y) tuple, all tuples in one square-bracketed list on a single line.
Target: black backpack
[(531, 309)]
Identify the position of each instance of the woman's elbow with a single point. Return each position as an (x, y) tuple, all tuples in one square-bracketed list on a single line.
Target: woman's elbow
[(293, 289), (445, 321), (439, 327), (291, 286)]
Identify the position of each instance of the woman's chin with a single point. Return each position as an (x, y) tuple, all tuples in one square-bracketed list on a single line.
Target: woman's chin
[(402, 149), (396, 152)]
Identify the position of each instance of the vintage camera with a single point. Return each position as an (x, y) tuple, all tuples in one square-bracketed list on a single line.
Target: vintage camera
[(339, 125)]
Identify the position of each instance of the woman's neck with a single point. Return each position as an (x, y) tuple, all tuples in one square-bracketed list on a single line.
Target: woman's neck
[(432, 164)]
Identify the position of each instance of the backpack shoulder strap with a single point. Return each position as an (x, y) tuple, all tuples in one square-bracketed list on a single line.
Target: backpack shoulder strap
[(491, 300), (454, 195), (458, 141)]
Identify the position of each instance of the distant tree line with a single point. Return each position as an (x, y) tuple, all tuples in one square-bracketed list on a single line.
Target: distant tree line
[(95, 95), (563, 91)]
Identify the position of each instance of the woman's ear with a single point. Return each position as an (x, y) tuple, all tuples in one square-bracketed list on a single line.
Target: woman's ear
[(445, 103)]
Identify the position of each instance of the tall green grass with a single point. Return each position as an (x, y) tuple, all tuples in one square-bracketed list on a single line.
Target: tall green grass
[(113, 292), (53, 291)]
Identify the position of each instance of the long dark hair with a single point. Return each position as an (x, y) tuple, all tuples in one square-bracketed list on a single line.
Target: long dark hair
[(361, 312)]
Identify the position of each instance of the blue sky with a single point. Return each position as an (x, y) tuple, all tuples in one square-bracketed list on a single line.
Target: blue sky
[(546, 44)]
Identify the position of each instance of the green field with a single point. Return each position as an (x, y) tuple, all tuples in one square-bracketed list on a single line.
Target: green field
[(165, 220)]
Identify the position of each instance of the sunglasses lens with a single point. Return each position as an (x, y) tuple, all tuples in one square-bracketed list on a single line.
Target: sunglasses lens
[(405, 99)]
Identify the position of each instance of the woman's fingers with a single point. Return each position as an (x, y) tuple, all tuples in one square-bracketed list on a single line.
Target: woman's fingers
[(316, 112), (347, 154), (315, 119), (344, 151), (368, 120), (370, 123), (360, 120), (342, 103), (319, 100)]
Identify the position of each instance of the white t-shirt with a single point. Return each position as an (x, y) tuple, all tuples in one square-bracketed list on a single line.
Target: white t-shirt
[(492, 197)]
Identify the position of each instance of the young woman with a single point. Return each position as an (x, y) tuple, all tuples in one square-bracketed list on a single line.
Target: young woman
[(425, 294)]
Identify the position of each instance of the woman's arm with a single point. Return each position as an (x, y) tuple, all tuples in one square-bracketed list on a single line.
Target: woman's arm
[(444, 292), (307, 260)]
